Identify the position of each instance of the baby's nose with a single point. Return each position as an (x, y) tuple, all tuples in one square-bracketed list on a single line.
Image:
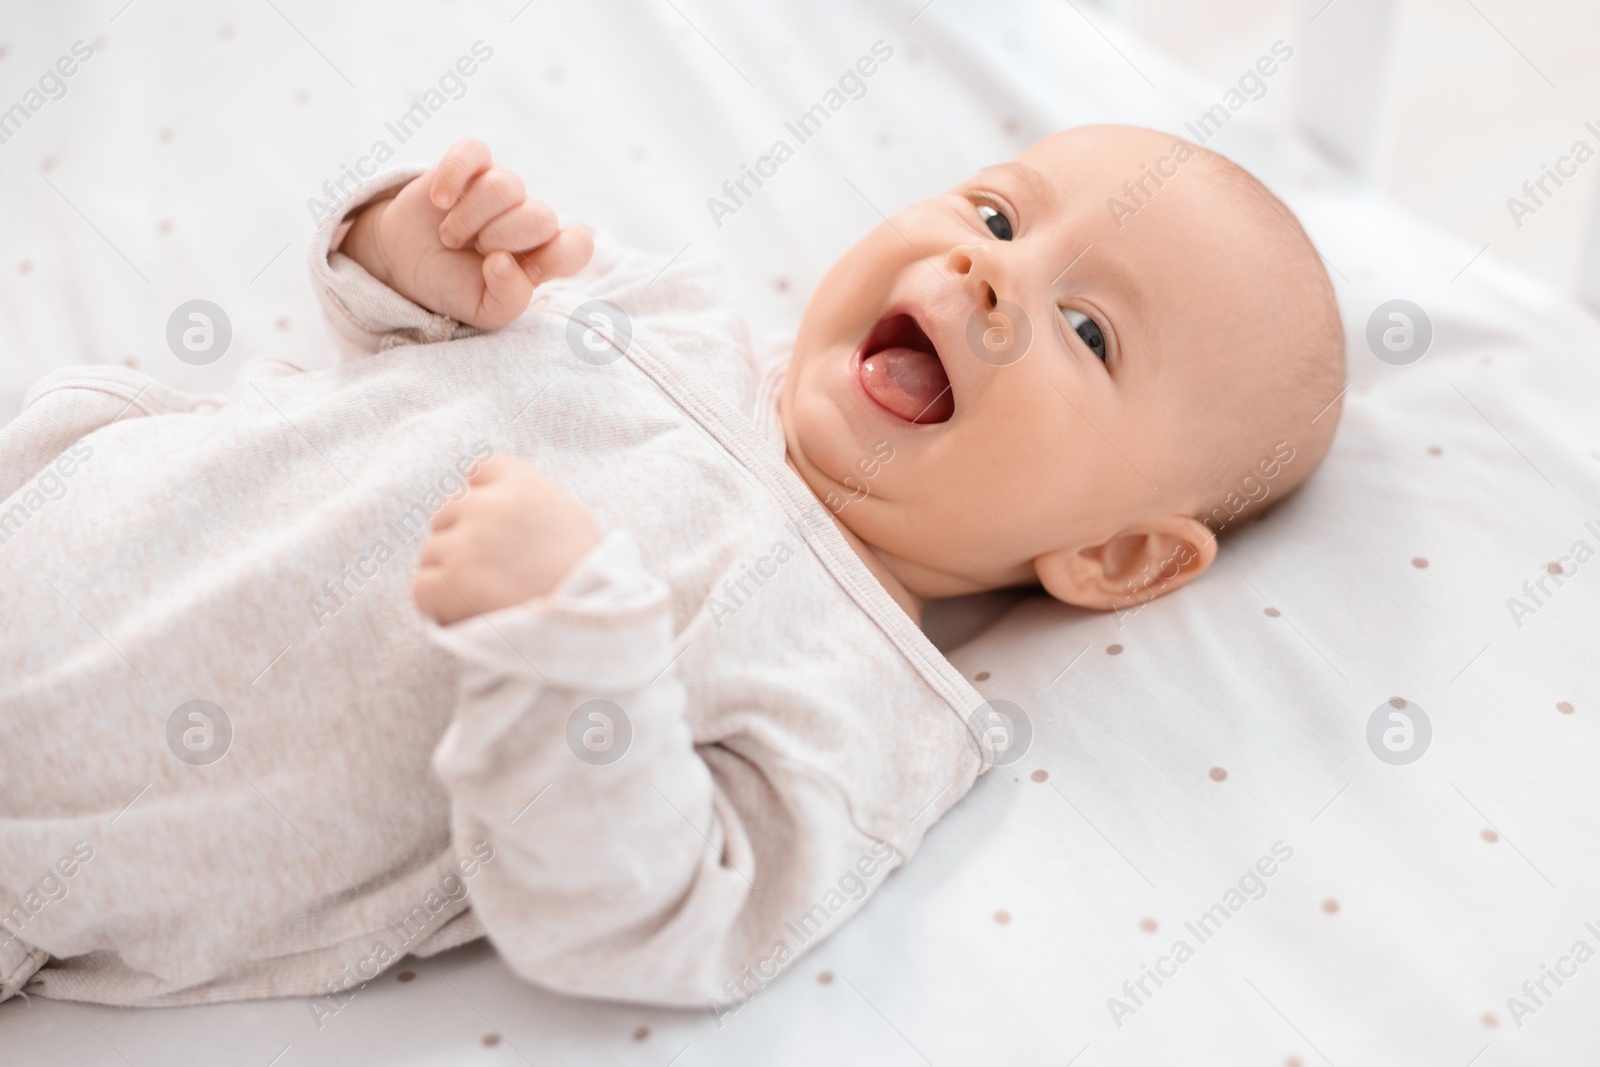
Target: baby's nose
[(965, 266)]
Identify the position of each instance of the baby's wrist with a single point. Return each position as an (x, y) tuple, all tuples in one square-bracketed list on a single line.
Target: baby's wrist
[(361, 242)]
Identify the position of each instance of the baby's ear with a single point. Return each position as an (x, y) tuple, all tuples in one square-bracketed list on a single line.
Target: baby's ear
[(1138, 564)]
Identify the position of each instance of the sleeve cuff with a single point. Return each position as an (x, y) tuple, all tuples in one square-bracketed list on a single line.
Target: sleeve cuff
[(366, 314), (607, 627)]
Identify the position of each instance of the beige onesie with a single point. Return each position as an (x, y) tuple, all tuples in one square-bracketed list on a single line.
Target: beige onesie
[(661, 783)]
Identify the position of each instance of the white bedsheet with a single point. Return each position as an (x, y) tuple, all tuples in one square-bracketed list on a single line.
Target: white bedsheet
[(178, 166)]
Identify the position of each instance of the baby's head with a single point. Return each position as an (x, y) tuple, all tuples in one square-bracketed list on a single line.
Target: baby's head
[(1076, 368)]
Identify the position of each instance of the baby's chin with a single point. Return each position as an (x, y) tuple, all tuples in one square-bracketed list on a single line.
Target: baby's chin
[(817, 433)]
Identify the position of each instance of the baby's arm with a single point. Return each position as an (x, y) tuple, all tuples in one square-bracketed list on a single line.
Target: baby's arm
[(464, 240), (628, 861)]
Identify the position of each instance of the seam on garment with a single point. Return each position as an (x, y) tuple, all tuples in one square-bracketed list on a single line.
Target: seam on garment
[(113, 387), (28, 965)]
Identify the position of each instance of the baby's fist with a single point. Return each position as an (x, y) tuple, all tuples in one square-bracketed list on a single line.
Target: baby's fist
[(464, 240), (513, 536)]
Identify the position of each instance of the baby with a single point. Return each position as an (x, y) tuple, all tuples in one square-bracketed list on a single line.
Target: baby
[(669, 717)]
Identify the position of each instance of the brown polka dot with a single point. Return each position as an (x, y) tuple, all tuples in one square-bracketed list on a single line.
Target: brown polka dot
[(1420, 563), (1488, 1019), (491, 1040), (1148, 925), (1435, 450), (1330, 906), (165, 226), (981, 676), (1292, 1061), (641, 1033), (24, 267), (825, 977), (282, 323), (1113, 650), (1002, 916), (405, 976), (1218, 774), (130, 363), (1553, 568), (1271, 613), (1041, 776), (1489, 835), (1564, 708), (1011, 125), (1397, 702), (781, 284)]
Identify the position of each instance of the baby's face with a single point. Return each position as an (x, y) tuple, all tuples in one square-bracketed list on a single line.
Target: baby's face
[(913, 411)]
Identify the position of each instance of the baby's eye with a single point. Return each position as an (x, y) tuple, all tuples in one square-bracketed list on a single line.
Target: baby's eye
[(1087, 329), (998, 224)]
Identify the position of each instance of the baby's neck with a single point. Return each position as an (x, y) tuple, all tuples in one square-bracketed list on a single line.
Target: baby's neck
[(909, 602)]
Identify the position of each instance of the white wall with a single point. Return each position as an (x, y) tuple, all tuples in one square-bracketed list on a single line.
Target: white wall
[(1466, 117)]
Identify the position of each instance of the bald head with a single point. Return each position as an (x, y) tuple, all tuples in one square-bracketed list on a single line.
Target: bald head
[(1274, 417)]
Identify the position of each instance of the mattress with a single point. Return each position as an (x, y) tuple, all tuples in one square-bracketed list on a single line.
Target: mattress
[(1350, 771)]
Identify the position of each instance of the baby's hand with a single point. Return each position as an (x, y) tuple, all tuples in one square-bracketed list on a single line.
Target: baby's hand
[(464, 240), (514, 536)]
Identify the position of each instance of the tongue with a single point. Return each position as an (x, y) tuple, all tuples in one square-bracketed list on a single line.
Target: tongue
[(909, 383)]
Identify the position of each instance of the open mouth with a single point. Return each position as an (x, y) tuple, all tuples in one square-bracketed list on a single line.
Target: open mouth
[(901, 371)]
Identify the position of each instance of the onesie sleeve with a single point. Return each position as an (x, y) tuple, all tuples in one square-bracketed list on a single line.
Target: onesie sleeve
[(628, 862), (366, 315)]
